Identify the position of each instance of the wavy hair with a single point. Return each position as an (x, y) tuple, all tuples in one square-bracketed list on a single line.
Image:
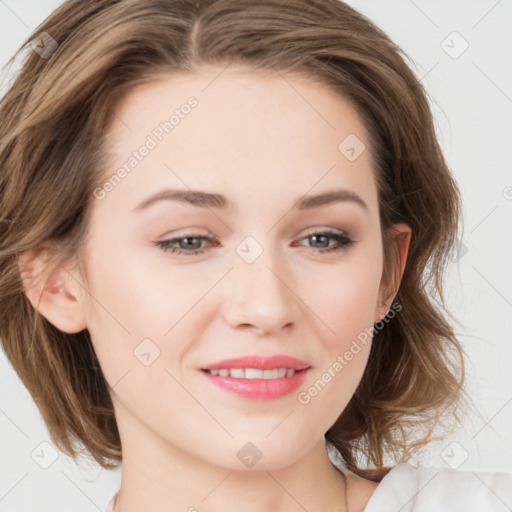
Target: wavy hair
[(55, 117)]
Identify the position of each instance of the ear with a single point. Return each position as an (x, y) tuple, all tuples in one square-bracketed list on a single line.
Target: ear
[(400, 234), (55, 292)]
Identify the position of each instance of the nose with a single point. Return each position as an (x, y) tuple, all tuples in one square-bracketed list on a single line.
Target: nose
[(261, 298)]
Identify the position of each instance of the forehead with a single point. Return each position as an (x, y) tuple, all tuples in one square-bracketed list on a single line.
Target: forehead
[(248, 132)]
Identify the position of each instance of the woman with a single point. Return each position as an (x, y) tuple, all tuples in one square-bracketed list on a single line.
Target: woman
[(224, 229)]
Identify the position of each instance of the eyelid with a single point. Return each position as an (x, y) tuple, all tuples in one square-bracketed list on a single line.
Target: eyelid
[(330, 231), (188, 232)]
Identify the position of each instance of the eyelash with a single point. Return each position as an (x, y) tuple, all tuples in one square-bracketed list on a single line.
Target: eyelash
[(342, 240)]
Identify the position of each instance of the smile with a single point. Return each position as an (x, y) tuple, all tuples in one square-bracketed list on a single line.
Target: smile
[(258, 377), (253, 373)]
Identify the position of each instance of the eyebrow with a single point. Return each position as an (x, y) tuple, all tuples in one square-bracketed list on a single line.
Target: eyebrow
[(218, 201)]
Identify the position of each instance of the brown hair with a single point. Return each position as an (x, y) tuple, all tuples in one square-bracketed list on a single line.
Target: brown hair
[(54, 119)]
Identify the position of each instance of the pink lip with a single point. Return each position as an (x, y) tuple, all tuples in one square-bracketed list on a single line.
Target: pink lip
[(260, 389)]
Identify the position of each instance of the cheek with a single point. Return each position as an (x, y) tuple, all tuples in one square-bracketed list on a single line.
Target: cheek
[(127, 292), (346, 306), (130, 302), (344, 300)]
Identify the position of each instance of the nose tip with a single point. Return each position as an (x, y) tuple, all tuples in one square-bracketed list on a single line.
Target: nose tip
[(261, 300)]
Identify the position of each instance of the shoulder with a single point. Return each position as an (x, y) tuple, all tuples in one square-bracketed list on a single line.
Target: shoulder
[(424, 489)]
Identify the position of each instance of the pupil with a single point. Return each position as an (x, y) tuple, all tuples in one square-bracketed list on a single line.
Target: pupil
[(321, 236), (188, 239)]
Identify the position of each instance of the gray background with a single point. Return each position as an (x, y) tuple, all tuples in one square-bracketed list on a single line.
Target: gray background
[(472, 100)]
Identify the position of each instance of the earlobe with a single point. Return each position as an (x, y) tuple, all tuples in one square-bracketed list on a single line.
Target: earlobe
[(55, 293)]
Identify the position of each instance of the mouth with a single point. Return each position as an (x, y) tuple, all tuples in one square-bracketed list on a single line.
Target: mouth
[(257, 377), (254, 373)]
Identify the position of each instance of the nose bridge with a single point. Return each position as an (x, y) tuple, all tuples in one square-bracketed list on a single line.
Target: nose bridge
[(262, 296)]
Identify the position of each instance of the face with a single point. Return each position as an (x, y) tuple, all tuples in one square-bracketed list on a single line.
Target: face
[(257, 270)]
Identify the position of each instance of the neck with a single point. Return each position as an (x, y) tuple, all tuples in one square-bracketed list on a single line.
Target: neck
[(171, 480)]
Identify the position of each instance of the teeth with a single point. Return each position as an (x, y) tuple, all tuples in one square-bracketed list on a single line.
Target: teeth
[(253, 373)]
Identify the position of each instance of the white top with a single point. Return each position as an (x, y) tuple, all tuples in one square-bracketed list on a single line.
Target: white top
[(424, 489)]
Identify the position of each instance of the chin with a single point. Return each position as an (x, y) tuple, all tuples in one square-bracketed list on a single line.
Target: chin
[(259, 454)]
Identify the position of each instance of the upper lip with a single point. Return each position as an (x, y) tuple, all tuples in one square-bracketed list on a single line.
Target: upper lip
[(260, 363)]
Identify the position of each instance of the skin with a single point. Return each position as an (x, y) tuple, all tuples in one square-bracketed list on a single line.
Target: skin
[(264, 140)]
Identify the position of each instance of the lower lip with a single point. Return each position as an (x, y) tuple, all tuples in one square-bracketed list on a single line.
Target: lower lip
[(259, 389)]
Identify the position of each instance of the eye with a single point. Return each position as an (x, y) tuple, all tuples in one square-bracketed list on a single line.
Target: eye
[(190, 244), (194, 244), (322, 238)]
